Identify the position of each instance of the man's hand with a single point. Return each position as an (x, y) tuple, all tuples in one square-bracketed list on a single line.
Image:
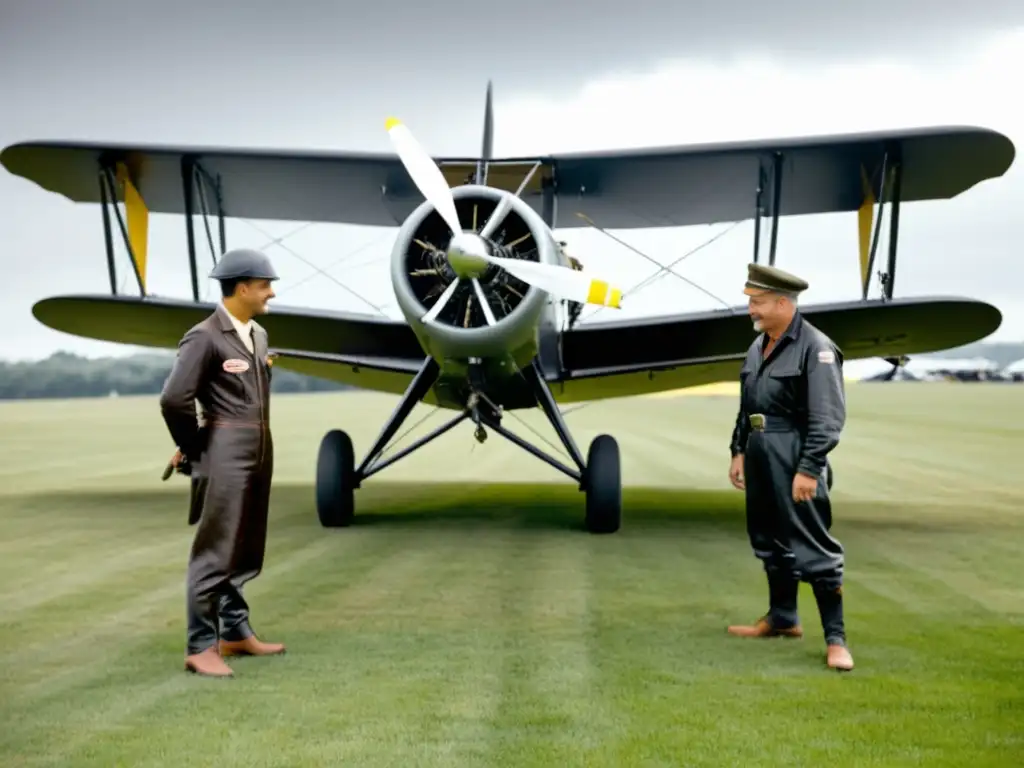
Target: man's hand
[(172, 465), (178, 463), (804, 487), (736, 472)]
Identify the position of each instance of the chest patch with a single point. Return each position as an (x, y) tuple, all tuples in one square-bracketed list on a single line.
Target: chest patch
[(235, 366)]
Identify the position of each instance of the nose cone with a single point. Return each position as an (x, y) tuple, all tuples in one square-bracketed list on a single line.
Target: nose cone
[(467, 255)]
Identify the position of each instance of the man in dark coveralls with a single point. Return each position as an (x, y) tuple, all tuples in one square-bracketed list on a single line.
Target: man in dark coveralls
[(792, 410), (223, 363)]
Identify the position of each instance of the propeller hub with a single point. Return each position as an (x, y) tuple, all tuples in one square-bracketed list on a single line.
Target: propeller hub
[(467, 254)]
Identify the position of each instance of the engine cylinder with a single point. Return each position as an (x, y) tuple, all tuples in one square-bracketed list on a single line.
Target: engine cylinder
[(421, 273)]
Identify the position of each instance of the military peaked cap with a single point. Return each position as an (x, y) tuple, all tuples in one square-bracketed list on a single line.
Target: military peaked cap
[(244, 264), (762, 278)]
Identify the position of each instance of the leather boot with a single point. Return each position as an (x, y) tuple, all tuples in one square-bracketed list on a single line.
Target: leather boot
[(838, 657), (829, 595), (782, 619), (763, 628), (208, 663), (783, 588), (250, 646)]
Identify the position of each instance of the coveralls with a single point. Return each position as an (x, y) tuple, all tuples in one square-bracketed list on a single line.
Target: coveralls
[(232, 460), (792, 410)]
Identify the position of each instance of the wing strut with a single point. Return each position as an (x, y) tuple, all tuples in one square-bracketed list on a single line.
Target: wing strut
[(889, 178), (194, 178), (120, 179), (894, 223), (777, 158), (137, 225), (889, 183)]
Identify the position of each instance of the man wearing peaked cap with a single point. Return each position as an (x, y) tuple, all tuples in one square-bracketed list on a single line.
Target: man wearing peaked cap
[(223, 363), (762, 278), (792, 410)]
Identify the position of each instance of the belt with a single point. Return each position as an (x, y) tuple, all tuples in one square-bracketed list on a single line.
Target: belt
[(761, 422), (252, 423)]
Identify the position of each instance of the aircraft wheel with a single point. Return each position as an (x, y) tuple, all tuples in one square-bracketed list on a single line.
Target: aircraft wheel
[(335, 480), (603, 486)]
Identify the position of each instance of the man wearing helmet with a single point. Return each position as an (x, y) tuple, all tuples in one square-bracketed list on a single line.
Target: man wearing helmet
[(223, 363)]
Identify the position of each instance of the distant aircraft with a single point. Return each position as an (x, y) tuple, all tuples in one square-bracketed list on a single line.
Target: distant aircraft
[(489, 295)]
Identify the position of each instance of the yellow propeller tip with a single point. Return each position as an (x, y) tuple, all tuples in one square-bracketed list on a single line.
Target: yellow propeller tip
[(391, 122), (602, 293)]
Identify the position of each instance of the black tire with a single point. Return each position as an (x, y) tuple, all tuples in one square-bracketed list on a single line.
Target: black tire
[(603, 486), (335, 480)]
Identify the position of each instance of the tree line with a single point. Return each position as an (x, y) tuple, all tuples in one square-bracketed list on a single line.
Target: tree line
[(65, 375)]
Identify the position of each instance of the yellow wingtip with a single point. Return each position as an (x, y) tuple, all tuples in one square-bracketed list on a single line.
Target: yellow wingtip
[(615, 299), (391, 122)]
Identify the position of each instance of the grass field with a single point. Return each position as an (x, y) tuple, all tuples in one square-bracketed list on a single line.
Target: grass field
[(466, 624)]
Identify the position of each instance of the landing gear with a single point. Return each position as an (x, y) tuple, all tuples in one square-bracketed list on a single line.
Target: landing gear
[(599, 477), (335, 480), (603, 486)]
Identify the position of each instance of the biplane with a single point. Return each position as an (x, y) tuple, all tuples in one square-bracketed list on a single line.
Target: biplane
[(489, 295)]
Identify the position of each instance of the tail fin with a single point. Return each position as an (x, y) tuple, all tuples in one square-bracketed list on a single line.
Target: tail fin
[(487, 150)]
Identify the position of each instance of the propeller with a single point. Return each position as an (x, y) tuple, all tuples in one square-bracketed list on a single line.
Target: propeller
[(470, 254)]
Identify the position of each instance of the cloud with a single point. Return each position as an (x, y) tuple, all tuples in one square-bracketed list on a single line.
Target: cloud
[(682, 101), (529, 41)]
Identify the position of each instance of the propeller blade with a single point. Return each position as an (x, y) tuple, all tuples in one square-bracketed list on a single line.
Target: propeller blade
[(562, 282), (484, 304), (424, 172), (441, 303), (500, 212)]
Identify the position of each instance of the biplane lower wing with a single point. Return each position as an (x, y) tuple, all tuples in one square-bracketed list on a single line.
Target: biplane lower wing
[(634, 357), (606, 360), (359, 350)]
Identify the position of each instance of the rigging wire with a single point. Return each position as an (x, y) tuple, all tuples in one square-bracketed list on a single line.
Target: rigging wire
[(315, 267), (662, 269)]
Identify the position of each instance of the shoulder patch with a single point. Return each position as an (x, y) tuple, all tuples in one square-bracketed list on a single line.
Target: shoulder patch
[(826, 357)]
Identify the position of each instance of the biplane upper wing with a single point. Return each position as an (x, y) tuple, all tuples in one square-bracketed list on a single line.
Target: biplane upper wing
[(710, 183), (643, 356), (667, 186), (360, 350)]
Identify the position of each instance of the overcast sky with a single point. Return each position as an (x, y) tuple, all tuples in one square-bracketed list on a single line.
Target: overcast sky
[(308, 75)]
